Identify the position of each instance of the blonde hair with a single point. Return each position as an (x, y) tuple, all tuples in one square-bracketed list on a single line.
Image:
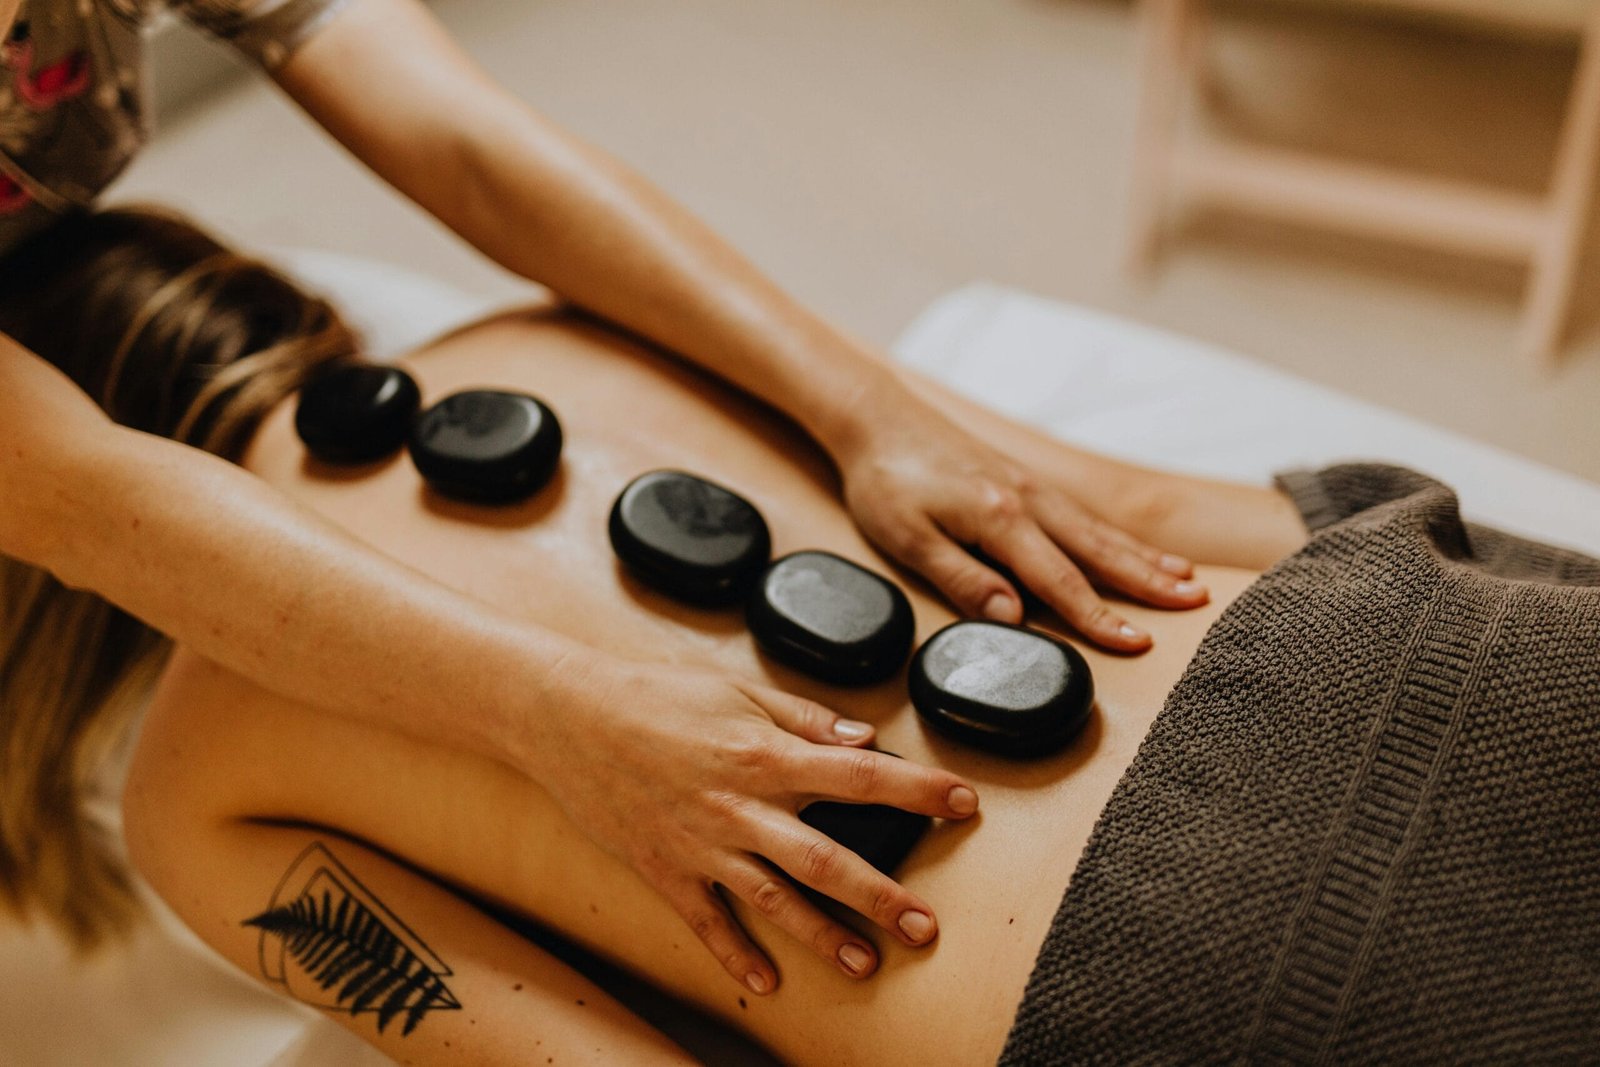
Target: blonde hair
[(173, 334)]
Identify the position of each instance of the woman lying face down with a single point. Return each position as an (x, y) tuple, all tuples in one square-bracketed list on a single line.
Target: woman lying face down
[(625, 411), (345, 866)]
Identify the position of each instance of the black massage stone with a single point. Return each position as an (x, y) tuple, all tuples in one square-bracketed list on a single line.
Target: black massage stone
[(488, 447), (881, 835), (689, 538), (356, 412), (1007, 689), (831, 619)]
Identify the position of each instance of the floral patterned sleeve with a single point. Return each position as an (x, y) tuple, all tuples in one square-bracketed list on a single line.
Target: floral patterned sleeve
[(267, 31)]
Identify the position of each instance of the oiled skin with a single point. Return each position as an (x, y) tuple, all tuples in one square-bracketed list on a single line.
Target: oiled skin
[(216, 749)]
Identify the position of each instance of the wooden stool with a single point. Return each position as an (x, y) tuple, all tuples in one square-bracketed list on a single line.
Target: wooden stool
[(1545, 231)]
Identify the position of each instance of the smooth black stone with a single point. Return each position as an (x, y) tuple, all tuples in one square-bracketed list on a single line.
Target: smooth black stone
[(881, 835), (1007, 689), (486, 446), (356, 412), (823, 615), (689, 538)]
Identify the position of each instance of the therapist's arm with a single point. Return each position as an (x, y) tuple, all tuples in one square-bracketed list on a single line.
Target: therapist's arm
[(212, 556), (385, 79), (684, 774), (1221, 523)]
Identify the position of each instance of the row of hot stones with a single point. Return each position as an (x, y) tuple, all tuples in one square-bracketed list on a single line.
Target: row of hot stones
[(1010, 690)]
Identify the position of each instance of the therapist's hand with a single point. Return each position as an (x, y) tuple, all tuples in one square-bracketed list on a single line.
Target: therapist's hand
[(926, 491), (695, 779)]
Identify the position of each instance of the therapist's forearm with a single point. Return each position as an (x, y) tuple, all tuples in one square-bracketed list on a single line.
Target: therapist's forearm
[(208, 554), (565, 214), (557, 211)]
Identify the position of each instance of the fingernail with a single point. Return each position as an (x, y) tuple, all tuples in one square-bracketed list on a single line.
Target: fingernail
[(1000, 608), (1132, 633), (854, 958), (962, 800), (850, 730), (758, 983), (1188, 588), (916, 925), (1176, 565)]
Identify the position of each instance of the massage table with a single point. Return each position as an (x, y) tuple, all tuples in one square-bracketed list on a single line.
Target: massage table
[(1090, 378)]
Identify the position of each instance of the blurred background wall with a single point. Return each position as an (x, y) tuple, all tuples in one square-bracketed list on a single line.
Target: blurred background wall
[(872, 154)]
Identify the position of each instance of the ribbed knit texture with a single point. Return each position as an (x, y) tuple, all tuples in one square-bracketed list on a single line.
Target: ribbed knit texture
[(1366, 825)]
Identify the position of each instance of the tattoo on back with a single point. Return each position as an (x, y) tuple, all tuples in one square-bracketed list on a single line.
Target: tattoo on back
[(329, 942)]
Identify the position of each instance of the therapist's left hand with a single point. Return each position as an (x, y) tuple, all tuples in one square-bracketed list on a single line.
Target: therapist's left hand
[(927, 492)]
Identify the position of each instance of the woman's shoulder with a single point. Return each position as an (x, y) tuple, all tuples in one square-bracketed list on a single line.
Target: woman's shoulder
[(190, 680)]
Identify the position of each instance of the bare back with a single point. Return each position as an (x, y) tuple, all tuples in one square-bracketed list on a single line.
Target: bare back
[(996, 881)]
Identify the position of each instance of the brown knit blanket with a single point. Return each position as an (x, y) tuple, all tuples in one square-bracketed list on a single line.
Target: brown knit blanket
[(1366, 825)]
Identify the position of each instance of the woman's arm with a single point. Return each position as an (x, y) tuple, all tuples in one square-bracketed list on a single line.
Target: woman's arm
[(386, 80), (682, 774), (391, 956)]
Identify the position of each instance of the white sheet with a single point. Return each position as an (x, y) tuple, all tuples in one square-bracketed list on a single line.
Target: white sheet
[(1156, 398), (1091, 378), (394, 309)]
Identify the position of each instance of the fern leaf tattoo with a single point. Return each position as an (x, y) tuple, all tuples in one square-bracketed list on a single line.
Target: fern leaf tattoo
[(358, 957)]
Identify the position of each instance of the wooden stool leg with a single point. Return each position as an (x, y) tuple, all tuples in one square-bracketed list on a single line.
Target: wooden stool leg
[(1555, 259), (1163, 73)]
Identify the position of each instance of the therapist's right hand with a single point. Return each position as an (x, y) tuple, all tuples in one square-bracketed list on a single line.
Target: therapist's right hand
[(695, 780)]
